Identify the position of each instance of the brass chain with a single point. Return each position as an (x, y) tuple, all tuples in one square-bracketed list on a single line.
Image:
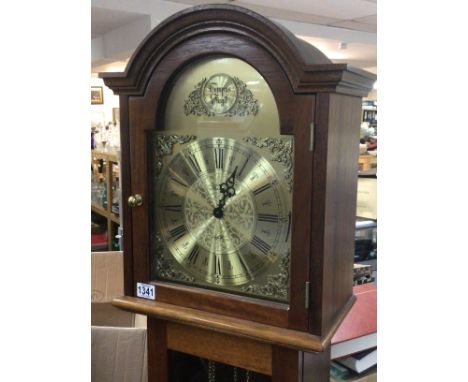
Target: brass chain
[(211, 371)]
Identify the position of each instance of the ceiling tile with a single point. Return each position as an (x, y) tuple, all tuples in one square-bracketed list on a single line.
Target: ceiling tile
[(338, 9), (288, 14), (105, 20), (371, 19), (354, 25), (356, 54)]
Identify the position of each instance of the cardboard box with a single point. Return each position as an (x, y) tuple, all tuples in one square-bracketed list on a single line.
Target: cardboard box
[(366, 206), (118, 354), (107, 284), (367, 162)]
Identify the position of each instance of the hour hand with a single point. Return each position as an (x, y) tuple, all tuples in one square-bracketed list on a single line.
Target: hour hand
[(227, 188)]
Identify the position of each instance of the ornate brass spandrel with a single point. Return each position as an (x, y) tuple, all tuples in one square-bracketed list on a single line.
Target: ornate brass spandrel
[(166, 268), (164, 144), (276, 285), (281, 150), (245, 104), (194, 104)]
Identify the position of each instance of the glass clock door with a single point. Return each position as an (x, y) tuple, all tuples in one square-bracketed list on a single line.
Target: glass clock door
[(221, 182)]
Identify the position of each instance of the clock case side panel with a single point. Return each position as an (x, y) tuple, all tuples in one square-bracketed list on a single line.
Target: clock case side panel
[(334, 209)]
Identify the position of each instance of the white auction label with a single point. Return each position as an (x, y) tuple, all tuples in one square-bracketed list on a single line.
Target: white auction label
[(147, 291)]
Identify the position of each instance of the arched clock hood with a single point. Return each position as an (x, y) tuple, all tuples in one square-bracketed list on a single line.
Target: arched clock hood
[(308, 69)]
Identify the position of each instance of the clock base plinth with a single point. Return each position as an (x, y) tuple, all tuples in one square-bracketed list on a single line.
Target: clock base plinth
[(282, 354), (280, 364)]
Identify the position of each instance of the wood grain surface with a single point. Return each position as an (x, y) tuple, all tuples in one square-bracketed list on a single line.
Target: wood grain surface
[(223, 324), (233, 350)]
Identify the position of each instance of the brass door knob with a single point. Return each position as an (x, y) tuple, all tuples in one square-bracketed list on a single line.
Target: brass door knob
[(135, 200)]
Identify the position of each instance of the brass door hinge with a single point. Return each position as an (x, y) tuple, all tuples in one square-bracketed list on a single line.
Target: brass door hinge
[(312, 136)]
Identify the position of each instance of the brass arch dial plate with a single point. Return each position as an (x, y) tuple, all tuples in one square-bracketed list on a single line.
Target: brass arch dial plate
[(222, 217), (221, 94)]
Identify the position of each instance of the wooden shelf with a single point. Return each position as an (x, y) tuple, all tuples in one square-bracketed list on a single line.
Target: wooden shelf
[(111, 159), (115, 218), (112, 156), (98, 209)]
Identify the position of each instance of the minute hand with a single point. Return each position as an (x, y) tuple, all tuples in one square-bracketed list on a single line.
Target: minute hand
[(227, 189)]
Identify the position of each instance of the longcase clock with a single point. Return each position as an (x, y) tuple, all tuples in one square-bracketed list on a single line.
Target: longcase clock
[(239, 164)]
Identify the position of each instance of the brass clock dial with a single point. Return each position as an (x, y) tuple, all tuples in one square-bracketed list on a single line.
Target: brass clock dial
[(219, 93), (222, 213)]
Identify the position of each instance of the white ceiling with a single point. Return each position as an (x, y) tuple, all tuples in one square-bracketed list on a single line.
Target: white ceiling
[(118, 26), (103, 21), (358, 15)]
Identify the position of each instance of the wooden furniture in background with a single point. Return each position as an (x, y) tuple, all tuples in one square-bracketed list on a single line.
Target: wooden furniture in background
[(109, 175)]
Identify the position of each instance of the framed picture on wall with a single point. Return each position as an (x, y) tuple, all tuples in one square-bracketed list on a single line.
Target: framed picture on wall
[(97, 96)]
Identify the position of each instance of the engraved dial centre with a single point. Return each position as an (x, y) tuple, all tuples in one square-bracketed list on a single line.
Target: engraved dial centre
[(235, 223)]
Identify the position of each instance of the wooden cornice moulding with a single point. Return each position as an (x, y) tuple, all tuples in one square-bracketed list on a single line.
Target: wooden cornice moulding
[(293, 339), (233, 326), (336, 78), (308, 69)]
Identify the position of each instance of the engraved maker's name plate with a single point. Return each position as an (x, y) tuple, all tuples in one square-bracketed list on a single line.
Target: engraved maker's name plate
[(223, 95)]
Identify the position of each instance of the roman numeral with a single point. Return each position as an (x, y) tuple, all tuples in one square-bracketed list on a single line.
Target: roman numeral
[(260, 244), (173, 208), (244, 264), (219, 158), (178, 232), (179, 182), (289, 226), (218, 266), (192, 258), (194, 163), (268, 218), (243, 167), (261, 189), (232, 159)]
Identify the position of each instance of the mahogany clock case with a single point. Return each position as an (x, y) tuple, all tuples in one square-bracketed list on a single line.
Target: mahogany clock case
[(318, 104)]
